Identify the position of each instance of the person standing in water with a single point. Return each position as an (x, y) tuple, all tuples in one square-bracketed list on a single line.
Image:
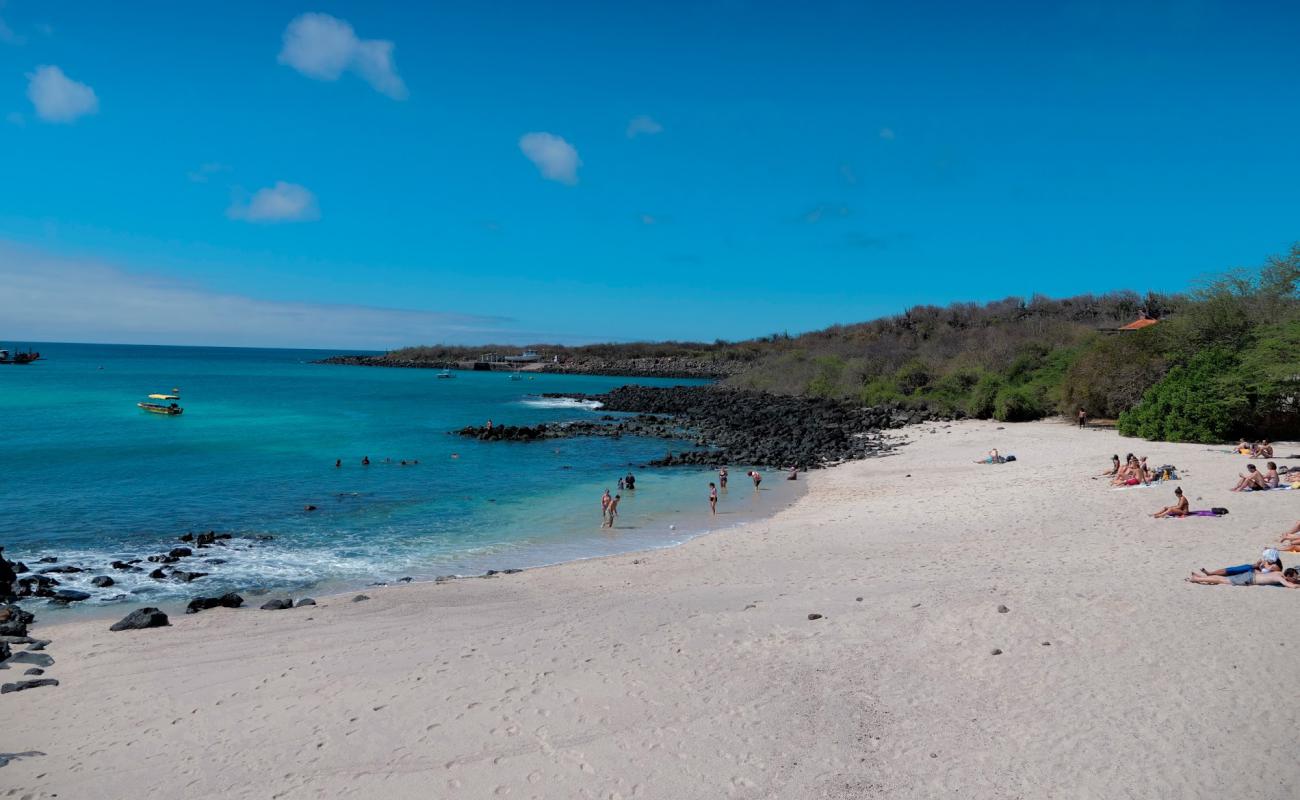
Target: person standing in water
[(611, 511), (722, 477), (755, 477), (630, 482), (605, 500), (713, 498)]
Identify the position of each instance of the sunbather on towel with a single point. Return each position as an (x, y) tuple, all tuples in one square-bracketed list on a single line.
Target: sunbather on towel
[(1287, 580), (1271, 478), (992, 458), (1178, 509), (1291, 539), (1269, 561), (1253, 480), (1131, 474)]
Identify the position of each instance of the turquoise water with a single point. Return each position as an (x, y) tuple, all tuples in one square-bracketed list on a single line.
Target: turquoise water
[(87, 477)]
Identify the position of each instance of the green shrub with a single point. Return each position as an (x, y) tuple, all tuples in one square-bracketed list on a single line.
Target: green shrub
[(1201, 401), (983, 396), (1019, 404)]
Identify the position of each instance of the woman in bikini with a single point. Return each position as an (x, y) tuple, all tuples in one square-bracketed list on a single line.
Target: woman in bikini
[(713, 498), (1178, 509)]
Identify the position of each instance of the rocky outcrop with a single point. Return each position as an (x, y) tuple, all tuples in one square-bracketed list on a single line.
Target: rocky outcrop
[(228, 600), (140, 619), (728, 426), (650, 367)]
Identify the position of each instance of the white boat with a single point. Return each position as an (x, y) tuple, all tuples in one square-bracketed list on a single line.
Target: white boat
[(446, 373), (514, 376)]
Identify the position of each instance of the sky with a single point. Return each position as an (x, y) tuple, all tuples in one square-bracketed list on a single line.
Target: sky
[(370, 175)]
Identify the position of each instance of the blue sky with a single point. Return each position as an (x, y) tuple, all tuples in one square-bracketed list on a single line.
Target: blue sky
[(376, 174)]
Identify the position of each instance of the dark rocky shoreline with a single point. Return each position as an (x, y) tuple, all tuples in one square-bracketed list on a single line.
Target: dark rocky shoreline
[(729, 426), (660, 367)]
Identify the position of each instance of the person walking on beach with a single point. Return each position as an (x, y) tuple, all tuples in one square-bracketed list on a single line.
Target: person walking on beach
[(1083, 417), (722, 478), (713, 498)]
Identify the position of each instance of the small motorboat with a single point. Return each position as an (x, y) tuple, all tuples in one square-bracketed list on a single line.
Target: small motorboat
[(446, 373), (170, 409), (515, 376), (167, 407), (19, 357)]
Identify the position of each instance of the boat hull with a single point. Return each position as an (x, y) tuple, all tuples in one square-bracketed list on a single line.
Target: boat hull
[(155, 408)]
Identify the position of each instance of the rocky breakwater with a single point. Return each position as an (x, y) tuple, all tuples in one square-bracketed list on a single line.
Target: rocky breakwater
[(729, 426)]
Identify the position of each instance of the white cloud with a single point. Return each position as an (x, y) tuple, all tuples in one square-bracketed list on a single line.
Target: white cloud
[(324, 47), (643, 125), (51, 298), (206, 171), (555, 158), (57, 97), (887, 134), (283, 202)]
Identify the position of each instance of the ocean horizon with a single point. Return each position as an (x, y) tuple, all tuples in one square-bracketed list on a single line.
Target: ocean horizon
[(90, 478)]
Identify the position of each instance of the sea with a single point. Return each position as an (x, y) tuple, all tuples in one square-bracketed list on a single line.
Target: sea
[(87, 477)]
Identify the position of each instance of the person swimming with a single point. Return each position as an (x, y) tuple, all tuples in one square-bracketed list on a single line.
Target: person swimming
[(1178, 509), (365, 461)]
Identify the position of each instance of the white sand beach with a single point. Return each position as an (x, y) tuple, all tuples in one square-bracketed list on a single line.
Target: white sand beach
[(695, 672)]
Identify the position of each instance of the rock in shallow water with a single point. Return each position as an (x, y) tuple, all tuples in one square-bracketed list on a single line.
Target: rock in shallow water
[(141, 618), (102, 581)]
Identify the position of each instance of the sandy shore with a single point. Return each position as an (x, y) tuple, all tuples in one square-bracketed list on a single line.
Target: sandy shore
[(695, 672)]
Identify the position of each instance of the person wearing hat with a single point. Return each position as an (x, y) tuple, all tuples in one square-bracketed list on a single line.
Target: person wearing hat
[(1244, 574), (1179, 509)]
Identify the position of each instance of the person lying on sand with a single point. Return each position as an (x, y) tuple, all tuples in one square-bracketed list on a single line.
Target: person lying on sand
[(1244, 447), (1178, 509), (1251, 481), (994, 457), (1291, 539), (1269, 561), (1287, 580)]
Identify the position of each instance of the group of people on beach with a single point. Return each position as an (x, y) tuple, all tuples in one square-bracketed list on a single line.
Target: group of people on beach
[(1260, 449), (1268, 570)]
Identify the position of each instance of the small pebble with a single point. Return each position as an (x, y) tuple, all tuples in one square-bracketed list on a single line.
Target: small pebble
[(859, 599), (996, 652), (360, 597), (814, 616), (1047, 644), (1003, 609)]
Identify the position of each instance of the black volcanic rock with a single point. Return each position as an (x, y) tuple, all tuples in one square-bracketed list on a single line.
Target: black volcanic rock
[(139, 619)]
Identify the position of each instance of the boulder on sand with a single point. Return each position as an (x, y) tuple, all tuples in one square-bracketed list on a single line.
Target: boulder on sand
[(277, 605), (21, 685), (148, 617), (227, 600)]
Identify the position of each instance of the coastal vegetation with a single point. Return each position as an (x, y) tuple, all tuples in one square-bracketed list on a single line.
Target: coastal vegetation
[(1222, 361)]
